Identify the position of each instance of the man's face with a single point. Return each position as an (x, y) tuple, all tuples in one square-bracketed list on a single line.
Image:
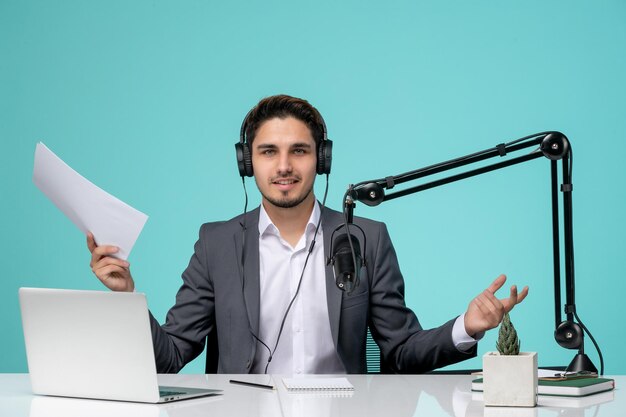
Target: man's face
[(284, 162)]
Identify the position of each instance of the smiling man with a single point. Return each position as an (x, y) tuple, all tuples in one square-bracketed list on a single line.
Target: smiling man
[(259, 288)]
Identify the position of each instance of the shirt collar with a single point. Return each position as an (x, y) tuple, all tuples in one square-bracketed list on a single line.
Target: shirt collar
[(267, 226)]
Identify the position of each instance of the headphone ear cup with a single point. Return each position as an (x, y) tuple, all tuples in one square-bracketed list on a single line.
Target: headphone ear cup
[(324, 157), (244, 159)]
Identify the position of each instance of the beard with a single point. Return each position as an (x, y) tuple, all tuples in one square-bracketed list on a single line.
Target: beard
[(287, 202)]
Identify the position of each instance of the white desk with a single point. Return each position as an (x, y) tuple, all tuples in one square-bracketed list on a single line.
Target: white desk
[(374, 395)]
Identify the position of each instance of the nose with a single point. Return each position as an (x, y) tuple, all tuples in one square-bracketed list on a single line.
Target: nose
[(284, 163)]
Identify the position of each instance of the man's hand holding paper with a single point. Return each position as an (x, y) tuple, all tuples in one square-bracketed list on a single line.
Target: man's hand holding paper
[(114, 273)]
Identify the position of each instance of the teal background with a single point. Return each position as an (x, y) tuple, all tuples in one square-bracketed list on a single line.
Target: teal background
[(145, 99)]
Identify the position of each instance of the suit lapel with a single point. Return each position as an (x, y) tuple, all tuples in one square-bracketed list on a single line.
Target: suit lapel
[(330, 220), (251, 267)]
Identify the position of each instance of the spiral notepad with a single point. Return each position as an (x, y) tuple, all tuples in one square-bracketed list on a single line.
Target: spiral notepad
[(318, 384)]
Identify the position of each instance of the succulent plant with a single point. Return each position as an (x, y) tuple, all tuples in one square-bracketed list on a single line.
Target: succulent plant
[(507, 343)]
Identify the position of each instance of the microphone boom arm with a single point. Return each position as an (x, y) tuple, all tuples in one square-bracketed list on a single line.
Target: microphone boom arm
[(552, 145)]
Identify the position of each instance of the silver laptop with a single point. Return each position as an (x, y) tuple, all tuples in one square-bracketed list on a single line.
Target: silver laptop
[(93, 344)]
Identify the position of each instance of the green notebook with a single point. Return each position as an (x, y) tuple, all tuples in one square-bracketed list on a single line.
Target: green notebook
[(569, 387)]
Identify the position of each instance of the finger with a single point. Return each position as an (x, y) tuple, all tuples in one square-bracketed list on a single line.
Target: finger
[(514, 298), (492, 303), (497, 284), (487, 313), (522, 295), (101, 252), (510, 302), (488, 305), (480, 304), (106, 261), (91, 242), (106, 273), (106, 250)]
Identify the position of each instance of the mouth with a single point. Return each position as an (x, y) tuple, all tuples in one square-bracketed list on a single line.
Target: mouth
[(285, 184), (285, 181)]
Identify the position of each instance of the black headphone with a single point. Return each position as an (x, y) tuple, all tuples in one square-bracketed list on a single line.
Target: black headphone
[(244, 156)]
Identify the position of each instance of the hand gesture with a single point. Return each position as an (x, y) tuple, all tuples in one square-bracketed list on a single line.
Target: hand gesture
[(112, 272), (486, 311)]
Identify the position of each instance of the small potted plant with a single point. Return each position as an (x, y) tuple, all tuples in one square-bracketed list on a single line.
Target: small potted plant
[(509, 376)]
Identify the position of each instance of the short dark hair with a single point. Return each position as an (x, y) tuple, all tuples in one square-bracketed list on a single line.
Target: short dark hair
[(283, 106)]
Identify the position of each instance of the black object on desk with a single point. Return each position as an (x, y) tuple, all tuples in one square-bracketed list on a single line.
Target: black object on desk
[(251, 384)]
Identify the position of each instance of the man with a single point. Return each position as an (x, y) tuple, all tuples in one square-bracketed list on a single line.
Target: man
[(261, 285)]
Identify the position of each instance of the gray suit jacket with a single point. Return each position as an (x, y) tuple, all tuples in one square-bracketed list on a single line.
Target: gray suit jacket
[(214, 299)]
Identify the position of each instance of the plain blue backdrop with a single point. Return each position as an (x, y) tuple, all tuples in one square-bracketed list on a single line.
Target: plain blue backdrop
[(145, 99)]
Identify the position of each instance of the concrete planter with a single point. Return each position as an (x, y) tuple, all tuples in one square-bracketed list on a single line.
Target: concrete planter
[(510, 380)]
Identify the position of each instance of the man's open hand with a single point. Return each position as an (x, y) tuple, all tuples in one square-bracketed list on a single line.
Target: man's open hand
[(486, 311)]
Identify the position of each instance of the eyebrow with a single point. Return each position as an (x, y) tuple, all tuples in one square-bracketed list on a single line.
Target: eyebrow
[(266, 146), (301, 145), (296, 145)]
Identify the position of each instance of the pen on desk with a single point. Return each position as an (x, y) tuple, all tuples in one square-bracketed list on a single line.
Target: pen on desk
[(251, 384)]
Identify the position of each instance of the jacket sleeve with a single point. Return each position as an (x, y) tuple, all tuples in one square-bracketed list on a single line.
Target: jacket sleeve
[(405, 346), (181, 339)]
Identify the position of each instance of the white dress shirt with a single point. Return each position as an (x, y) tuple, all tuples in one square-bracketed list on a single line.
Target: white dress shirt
[(306, 345)]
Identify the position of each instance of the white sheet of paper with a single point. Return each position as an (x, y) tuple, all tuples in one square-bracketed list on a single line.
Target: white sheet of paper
[(90, 208)]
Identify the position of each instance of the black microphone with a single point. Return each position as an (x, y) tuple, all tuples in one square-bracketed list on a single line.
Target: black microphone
[(346, 275)]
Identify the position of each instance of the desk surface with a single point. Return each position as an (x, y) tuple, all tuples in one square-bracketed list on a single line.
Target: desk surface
[(374, 395)]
